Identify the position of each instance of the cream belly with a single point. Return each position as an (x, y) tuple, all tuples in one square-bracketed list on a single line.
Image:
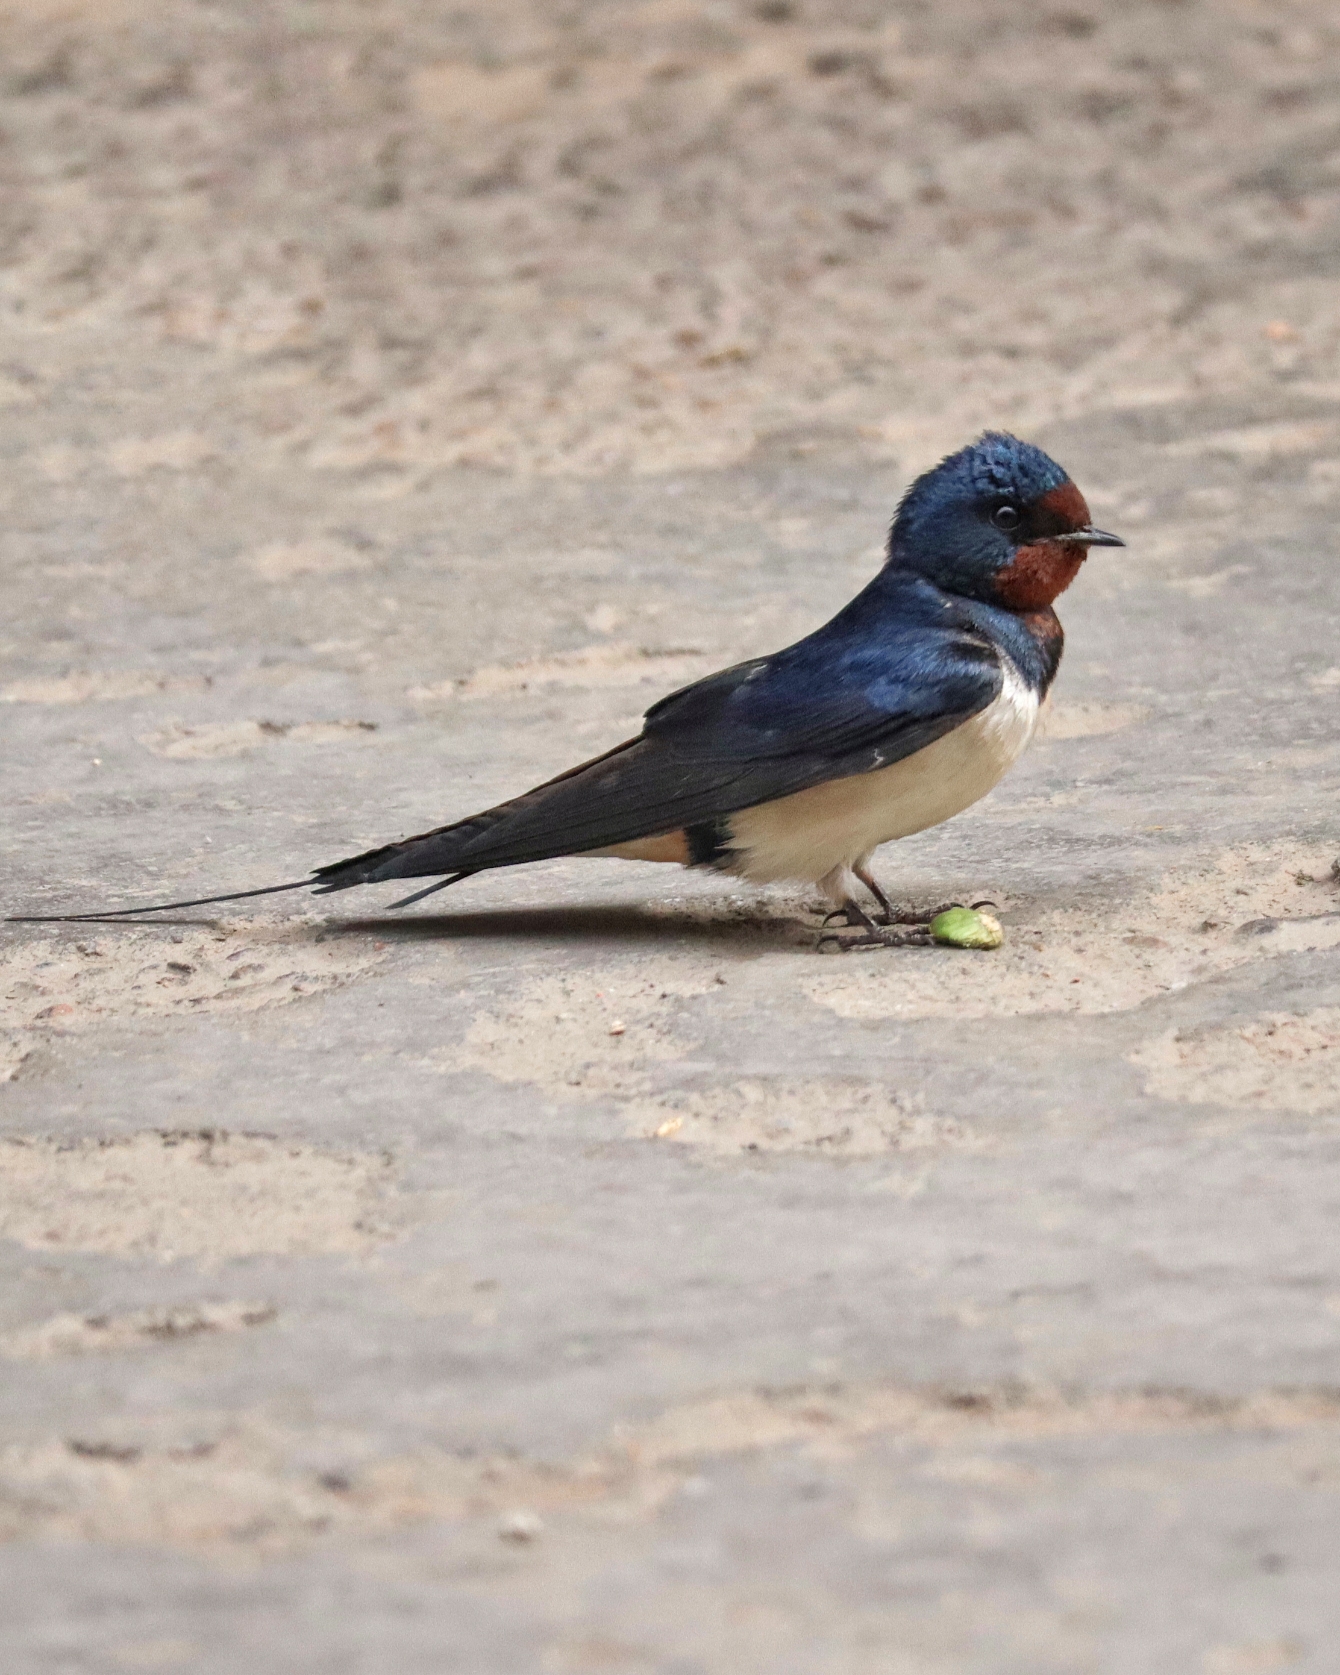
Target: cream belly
[(829, 828)]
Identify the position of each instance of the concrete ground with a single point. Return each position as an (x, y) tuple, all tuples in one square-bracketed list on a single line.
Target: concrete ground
[(580, 1272)]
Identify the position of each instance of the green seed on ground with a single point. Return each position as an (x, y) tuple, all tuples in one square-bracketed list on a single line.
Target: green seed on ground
[(965, 927)]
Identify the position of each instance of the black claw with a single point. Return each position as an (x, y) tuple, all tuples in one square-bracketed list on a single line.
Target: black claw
[(845, 915)]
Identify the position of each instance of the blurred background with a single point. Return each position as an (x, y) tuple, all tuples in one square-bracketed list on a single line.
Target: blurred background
[(391, 239)]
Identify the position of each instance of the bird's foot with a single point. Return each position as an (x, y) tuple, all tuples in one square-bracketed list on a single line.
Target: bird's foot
[(870, 935), (889, 914), (878, 936)]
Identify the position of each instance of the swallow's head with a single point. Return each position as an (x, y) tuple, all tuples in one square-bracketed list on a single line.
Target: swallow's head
[(998, 521)]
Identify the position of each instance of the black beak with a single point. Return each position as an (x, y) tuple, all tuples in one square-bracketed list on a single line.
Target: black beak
[(1092, 537)]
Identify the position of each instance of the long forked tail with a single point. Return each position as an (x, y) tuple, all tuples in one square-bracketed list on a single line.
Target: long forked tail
[(114, 913), (117, 915)]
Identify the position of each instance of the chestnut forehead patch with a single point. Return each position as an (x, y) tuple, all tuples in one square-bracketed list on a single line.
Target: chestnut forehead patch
[(1065, 506)]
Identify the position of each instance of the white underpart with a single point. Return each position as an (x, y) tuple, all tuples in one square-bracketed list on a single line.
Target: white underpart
[(820, 834)]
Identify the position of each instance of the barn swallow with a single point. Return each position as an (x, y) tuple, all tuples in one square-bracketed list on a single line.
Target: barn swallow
[(898, 714)]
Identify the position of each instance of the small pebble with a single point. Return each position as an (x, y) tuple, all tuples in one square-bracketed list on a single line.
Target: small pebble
[(616, 1028), (520, 1526)]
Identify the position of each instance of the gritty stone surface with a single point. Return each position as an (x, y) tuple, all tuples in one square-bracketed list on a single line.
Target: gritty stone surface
[(580, 1272)]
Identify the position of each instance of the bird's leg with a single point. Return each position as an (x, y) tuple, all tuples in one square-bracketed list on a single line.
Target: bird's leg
[(901, 915), (872, 884)]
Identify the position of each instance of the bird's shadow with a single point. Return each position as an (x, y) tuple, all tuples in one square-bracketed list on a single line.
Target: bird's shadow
[(596, 923), (607, 923)]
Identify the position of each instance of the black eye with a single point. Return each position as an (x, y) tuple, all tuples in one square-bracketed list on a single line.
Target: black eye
[(1006, 516)]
